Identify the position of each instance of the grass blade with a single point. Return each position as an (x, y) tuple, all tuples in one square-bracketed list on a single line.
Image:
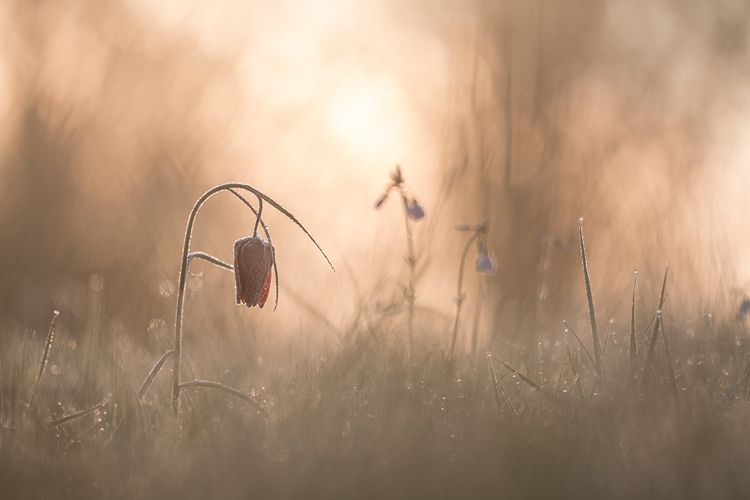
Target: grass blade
[(663, 288), (588, 354), (229, 390), (152, 374), (670, 369), (598, 365), (45, 355), (651, 346), (498, 387), (68, 418), (633, 343), (519, 374)]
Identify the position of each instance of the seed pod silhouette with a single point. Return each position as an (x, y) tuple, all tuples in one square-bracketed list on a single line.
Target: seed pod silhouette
[(253, 258)]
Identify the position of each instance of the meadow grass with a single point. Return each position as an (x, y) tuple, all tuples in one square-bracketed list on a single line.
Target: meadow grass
[(654, 413), (360, 422)]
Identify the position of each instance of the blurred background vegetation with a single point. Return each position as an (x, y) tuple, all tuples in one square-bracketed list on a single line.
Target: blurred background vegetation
[(117, 115)]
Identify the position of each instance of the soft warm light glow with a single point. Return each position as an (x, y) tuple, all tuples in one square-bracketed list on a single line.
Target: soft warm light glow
[(368, 117)]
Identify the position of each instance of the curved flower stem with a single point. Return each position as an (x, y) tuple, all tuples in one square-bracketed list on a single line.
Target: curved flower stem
[(268, 237), (257, 217), (213, 260), (184, 266), (459, 297), (599, 365)]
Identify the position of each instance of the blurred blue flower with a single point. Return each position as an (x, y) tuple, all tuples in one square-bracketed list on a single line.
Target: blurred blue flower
[(486, 263), (382, 199), (480, 227), (413, 209), (744, 309)]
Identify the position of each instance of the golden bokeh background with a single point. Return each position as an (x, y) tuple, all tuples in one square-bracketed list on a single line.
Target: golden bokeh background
[(117, 115)]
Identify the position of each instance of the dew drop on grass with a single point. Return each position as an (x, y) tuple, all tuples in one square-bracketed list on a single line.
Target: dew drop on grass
[(54, 369), (72, 344)]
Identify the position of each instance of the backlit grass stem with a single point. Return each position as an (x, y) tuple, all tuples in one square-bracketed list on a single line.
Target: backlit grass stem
[(598, 364), (460, 295)]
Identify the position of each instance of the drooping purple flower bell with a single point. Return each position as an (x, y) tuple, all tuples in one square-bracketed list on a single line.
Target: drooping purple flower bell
[(486, 263), (253, 258), (413, 209)]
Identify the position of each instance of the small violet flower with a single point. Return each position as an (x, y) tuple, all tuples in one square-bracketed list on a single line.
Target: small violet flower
[(412, 207), (486, 261)]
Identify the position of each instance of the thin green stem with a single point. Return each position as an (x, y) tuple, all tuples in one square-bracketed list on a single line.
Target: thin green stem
[(567, 326), (592, 314), (234, 392), (633, 343), (209, 258), (460, 296), (152, 374), (45, 356), (82, 413), (411, 287), (257, 217), (650, 354)]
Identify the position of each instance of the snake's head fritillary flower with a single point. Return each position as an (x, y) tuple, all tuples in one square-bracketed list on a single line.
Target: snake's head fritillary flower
[(253, 258)]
